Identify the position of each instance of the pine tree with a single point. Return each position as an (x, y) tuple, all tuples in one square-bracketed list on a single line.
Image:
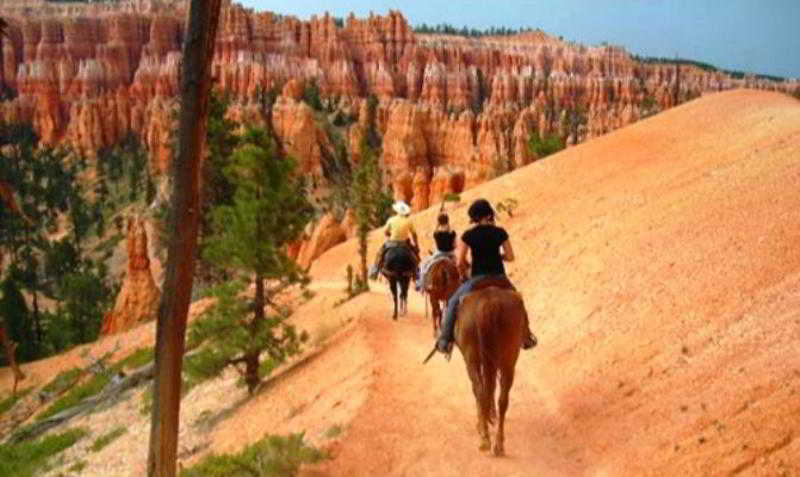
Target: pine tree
[(371, 201), (269, 210)]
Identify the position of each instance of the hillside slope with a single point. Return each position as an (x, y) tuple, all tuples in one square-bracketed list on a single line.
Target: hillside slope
[(660, 265)]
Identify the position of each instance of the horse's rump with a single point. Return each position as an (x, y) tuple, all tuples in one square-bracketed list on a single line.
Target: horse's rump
[(399, 260), (443, 278), (493, 319)]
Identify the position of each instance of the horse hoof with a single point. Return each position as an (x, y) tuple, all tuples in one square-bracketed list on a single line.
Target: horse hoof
[(498, 451), (485, 445)]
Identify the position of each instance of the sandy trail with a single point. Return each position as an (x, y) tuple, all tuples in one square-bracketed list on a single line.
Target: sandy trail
[(420, 419)]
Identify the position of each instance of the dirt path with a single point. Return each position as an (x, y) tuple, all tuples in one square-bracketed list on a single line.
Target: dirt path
[(420, 420)]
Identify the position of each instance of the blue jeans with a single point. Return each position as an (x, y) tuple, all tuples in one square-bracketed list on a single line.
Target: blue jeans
[(449, 318)]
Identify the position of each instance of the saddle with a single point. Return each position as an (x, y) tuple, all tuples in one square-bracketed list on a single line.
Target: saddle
[(499, 282), (432, 261), (399, 261)]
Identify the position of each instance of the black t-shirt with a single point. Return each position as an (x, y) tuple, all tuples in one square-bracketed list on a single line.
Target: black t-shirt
[(484, 242), (445, 241)]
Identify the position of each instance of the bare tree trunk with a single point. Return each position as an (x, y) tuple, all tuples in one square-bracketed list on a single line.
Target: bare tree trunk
[(251, 359), (10, 349), (198, 50)]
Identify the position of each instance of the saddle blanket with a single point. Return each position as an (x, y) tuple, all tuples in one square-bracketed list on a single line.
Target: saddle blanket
[(430, 262)]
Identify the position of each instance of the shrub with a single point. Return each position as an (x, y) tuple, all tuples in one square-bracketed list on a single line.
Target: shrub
[(107, 439), (27, 459), (96, 383), (272, 456), (507, 205), (544, 146), (8, 403)]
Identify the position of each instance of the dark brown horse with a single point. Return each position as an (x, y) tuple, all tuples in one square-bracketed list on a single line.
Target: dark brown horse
[(399, 266), (489, 332), (442, 281)]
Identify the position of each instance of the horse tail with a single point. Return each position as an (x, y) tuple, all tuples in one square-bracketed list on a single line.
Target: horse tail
[(486, 361)]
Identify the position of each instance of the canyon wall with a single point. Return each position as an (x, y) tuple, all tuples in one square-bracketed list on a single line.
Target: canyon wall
[(453, 111)]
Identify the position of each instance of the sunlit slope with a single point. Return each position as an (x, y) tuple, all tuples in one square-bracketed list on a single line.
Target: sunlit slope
[(661, 266)]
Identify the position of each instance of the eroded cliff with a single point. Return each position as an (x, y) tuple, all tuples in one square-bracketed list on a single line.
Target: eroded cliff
[(453, 111)]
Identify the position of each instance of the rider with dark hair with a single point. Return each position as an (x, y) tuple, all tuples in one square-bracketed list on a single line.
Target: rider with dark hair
[(484, 241), (445, 238)]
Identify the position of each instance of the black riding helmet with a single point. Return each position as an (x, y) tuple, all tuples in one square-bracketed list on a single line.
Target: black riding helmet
[(480, 209)]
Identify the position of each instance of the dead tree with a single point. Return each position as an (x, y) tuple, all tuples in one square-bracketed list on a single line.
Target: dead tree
[(198, 50), (10, 348)]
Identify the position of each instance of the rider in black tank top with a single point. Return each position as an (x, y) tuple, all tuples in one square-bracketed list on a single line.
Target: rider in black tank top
[(484, 241)]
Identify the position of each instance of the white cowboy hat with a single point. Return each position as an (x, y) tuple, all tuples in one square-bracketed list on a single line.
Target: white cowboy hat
[(401, 208)]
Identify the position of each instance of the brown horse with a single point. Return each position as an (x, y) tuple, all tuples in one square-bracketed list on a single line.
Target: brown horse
[(442, 281), (399, 266), (489, 332)]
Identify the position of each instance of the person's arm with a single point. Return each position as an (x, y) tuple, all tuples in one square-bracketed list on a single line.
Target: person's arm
[(387, 229), (461, 257), (508, 251)]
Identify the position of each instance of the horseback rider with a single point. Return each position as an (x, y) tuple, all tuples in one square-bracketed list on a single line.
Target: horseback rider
[(445, 238), (400, 230), (484, 241)]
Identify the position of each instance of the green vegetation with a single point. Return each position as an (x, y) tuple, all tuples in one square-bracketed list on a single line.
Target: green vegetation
[(64, 380), (49, 185), (371, 201), (107, 439), (447, 29), (96, 383), (542, 147), (78, 467), (311, 95), (28, 459), (649, 106), (333, 431), (8, 403), (137, 359), (75, 395), (268, 211), (123, 177), (501, 165), (508, 205), (272, 456), (704, 66)]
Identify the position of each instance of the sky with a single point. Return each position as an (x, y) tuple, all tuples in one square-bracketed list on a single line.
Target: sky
[(759, 36)]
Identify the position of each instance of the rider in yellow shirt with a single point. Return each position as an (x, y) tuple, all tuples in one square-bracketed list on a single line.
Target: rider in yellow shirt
[(400, 231)]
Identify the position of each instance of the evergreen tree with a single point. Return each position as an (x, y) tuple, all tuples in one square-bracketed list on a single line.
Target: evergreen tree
[(47, 186), (268, 211), (16, 317), (544, 146), (372, 202)]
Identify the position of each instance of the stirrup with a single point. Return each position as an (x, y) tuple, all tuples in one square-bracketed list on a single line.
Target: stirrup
[(447, 350)]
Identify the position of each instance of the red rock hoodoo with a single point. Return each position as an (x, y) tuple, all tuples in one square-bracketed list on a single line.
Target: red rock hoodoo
[(138, 298)]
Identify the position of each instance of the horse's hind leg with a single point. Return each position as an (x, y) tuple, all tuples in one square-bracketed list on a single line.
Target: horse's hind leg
[(473, 370), (436, 311), (490, 382), (506, 381), (404, 282), (393, 288)]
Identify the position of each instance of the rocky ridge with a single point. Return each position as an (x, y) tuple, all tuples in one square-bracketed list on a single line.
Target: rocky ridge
[(453, 111)]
